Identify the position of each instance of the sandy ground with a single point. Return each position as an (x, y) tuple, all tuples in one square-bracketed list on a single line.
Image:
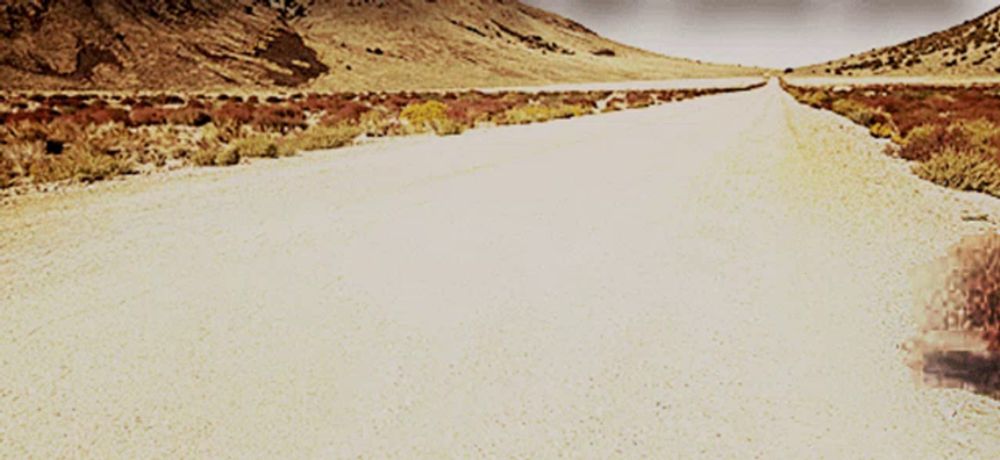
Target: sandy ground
[(680, 83), (943, 80), (725, 277)]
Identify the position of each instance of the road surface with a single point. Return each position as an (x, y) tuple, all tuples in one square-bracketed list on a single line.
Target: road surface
[(726, 277)]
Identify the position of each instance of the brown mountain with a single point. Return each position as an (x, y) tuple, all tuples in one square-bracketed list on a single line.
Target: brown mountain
[(969, 49), (319, 44)]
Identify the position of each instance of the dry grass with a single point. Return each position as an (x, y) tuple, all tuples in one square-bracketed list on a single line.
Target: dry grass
[(219, 157), (542, 113), (319, 138), (434, 116), (963, 171), (84, 162), (257, 146)]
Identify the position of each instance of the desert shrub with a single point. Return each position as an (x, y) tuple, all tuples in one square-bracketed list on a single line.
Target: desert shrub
[(319, 138), (963, 171), (980, 137), (41, 116), (859, 112), (259, 146), (145, 115), (62, 131), (278, 118), (15, 161), (434, 115), (540, 113), (233, 113), (923, 142), (970, 297), (215, 157), (99, 115), (582, 99), (227, 157), (881, 130), (83, 161), (639, 99), (8, 170), (346, 112), (614, 104), (189, 116), (816, 99), (423, 115), (318, 103), (475, 108), (449, 127)]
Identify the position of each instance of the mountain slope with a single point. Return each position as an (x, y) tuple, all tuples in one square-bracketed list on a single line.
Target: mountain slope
[(135, 44), (969, 49), (320, 44)]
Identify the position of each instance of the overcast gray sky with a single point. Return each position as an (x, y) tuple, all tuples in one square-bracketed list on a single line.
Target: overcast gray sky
[(773, 33)]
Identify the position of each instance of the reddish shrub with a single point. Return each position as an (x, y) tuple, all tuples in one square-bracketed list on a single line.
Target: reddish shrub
[(278, 118), (639, 99), (189, 116), (98, 114), (348, 112), (972, 293), (582, 99), (143, 115), (319, 103), (235, 113), (165, 99), (37, 116)]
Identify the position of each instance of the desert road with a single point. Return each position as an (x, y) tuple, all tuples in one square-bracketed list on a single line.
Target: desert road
[(726, 277)]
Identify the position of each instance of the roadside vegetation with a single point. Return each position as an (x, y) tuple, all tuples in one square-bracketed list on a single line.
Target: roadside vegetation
[(952, 133), (61, 138), (960, 319), (953, 136)]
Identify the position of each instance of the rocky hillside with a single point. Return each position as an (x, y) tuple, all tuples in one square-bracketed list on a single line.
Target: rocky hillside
[(970, 49), (319, 44)]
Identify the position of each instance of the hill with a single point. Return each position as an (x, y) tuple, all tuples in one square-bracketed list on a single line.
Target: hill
[(970, 49), (318, 44)]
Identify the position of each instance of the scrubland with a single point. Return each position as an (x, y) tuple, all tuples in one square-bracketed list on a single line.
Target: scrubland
[(952, 133), (60, 138)]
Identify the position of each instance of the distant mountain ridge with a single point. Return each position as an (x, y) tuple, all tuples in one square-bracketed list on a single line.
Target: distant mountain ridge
[(968, 49), (324, 44)]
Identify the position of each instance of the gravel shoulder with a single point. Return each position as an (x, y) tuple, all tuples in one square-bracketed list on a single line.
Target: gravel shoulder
[(726, 277)]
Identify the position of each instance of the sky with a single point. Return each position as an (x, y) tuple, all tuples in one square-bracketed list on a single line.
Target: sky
[(770, 33)]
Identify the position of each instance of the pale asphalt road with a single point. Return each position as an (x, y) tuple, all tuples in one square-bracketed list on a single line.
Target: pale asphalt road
[(717, 278)]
